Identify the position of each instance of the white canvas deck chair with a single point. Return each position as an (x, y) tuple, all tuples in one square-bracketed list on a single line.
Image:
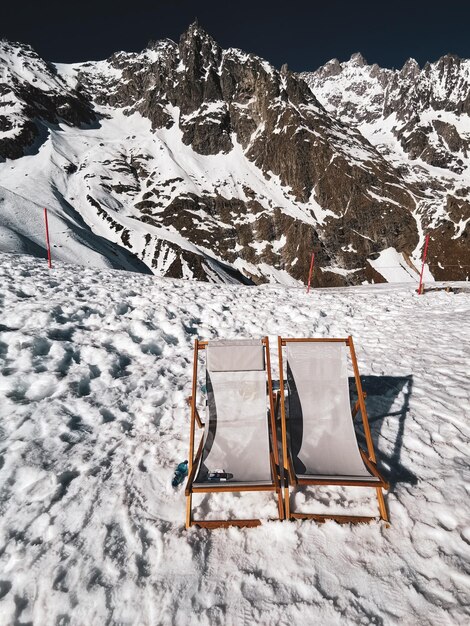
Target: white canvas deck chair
[(319, 442), (238, 450)]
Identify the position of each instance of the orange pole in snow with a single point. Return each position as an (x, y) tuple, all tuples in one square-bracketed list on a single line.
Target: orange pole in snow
[(310, 272), (49, 260), (420, 288)]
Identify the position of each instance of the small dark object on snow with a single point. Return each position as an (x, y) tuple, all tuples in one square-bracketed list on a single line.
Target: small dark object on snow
[(180, 474)]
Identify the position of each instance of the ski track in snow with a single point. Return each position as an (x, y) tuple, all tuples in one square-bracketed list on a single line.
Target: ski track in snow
[(95, 369)]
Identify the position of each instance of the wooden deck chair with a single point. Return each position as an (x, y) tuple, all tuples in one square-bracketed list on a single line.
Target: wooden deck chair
[(238, 450), (319, 442)]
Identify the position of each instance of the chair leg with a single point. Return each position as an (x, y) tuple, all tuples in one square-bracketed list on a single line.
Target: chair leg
[(287, 502), (188, 511), (382, 506), (280, 504)]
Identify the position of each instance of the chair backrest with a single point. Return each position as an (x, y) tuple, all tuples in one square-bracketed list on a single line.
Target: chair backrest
[(322, 436), (236, 438)]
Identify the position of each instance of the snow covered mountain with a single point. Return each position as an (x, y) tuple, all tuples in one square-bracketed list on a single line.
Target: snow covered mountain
[(189, 161), (418, 119)]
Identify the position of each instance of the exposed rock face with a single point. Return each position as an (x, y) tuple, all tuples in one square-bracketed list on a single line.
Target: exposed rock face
[(27, 104), (211, 164), (418, 119)]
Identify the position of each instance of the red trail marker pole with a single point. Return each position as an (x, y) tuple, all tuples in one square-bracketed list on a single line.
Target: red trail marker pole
[(311, 271), (49, 260), (420, 288)]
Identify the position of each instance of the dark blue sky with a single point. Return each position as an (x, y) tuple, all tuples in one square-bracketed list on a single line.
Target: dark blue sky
[(303, 34)]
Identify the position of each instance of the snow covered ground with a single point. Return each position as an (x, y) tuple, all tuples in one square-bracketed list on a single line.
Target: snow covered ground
[(95, 368)]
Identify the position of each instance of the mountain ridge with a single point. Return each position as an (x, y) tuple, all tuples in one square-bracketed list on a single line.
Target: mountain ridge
[(206, 163)]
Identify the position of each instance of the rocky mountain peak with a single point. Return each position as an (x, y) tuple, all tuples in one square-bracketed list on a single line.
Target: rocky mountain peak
[(410, 69), (17, 57), (331, 68), (449, 60), (196, 37), (357, 59), (160, 44), (8, 47)]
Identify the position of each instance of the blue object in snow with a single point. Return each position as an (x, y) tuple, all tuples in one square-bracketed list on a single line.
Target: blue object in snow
[(180, 474)]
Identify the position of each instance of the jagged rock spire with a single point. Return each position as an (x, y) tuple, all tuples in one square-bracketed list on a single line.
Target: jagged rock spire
[(358, 59)]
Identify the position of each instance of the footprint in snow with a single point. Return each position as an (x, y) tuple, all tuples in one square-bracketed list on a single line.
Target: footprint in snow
[(5, 586), (41, 346)]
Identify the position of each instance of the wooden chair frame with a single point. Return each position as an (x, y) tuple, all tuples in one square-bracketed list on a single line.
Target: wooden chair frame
[(194, 458), (369, 458)]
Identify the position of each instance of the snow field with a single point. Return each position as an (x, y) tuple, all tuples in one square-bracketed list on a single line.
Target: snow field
[(95, 368)]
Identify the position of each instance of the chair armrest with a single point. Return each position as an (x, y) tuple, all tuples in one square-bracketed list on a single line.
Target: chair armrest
[(196, 412), (194, 467), (357, 405), (189, 483)]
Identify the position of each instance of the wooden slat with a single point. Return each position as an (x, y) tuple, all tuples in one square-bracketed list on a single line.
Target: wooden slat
[(283, 430), (277, 398), (362, 404), (287, 502), (271, 401), (198, 419), (274, 470), (234, 489), (285, 340), (191, 433), (188, 511), (292, 475), (337, 482), (280, 504), (357, 406), (382, 507), (193, 471), (340, 519), (241, 523), (373, 469), (193, 407)]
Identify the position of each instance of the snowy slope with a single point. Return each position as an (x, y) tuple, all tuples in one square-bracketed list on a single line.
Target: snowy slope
[(94, 152), (108, 175), (190, 161), (95, 369)]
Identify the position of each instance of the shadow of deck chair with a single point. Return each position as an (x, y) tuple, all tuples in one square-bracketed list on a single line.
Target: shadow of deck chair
[(238, 450), (319, 442)]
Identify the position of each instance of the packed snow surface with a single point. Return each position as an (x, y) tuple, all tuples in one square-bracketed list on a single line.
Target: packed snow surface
[(95, 369)]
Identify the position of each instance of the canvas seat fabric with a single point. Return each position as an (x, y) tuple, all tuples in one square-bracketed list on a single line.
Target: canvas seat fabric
[(323, 442)]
